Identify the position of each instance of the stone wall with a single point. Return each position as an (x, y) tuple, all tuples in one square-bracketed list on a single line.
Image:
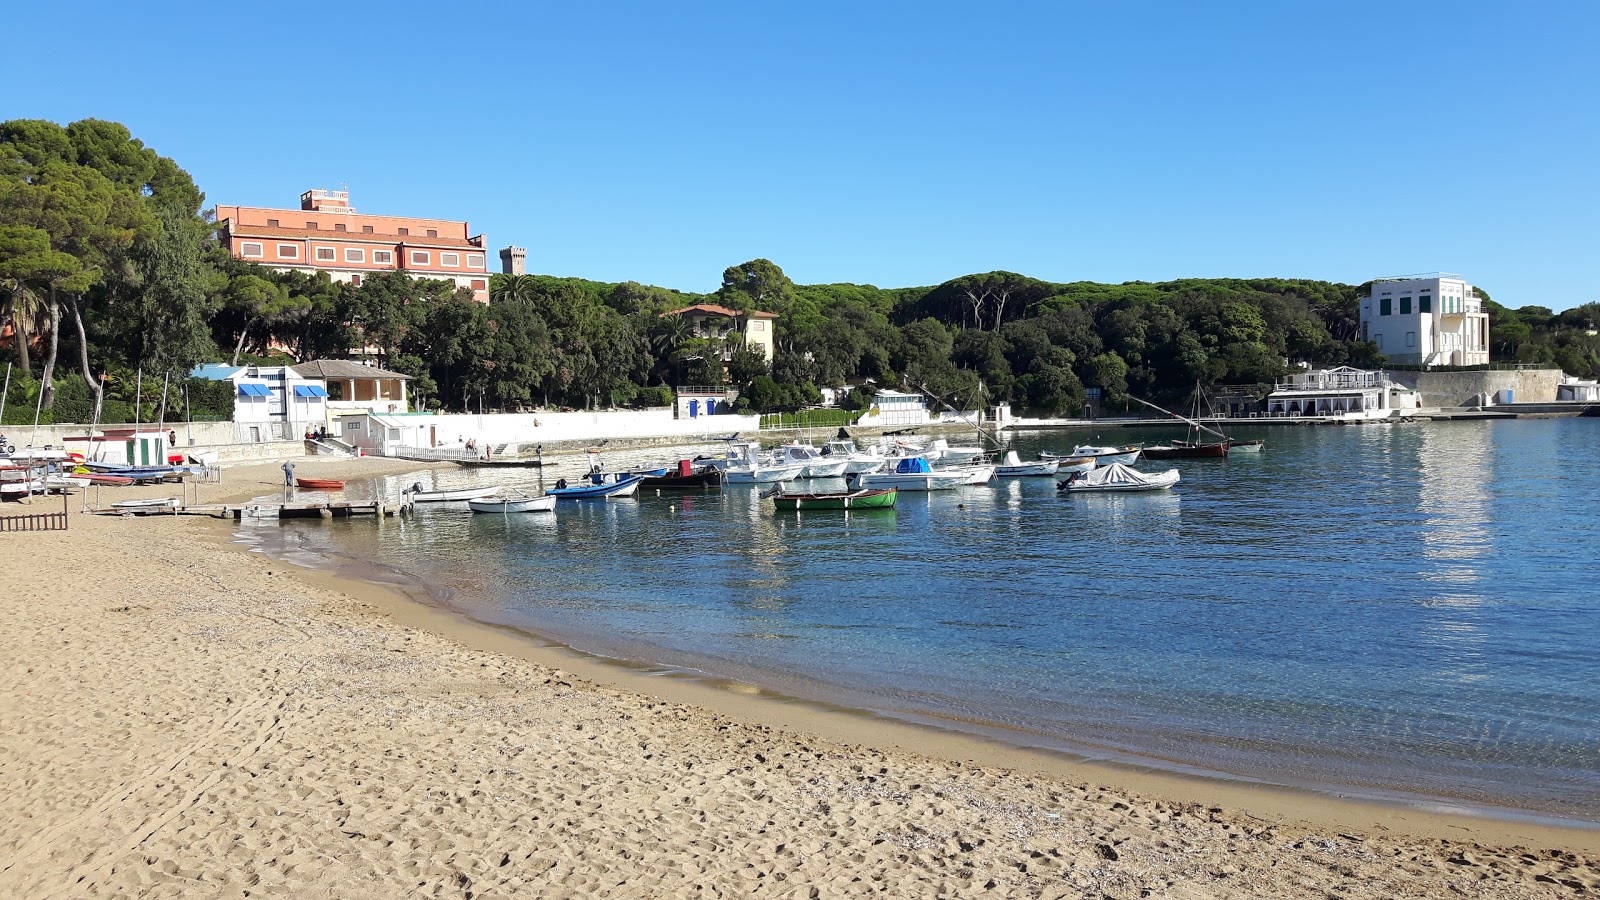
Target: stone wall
[(1449, 390)]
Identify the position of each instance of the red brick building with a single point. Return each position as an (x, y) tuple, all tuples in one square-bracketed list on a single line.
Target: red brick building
[(326, 234)]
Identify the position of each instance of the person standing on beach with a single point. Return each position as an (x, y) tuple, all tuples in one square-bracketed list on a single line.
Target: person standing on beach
[(288, 473)]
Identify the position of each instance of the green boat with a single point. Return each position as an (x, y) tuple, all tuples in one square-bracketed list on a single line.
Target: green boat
[(882, 498)]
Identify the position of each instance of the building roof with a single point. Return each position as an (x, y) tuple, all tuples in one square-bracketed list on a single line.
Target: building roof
[(343, 368), (713, 310), (410, 240)]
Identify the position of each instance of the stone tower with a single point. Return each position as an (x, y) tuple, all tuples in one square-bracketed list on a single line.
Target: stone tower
[(514, 261)]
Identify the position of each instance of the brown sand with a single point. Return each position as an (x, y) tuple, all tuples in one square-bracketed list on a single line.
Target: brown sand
[(184, 719)]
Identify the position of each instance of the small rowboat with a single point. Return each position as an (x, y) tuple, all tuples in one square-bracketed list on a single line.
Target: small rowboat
[(319, 484), (99, 478), (882, 498), (146, 503), (523, 504)]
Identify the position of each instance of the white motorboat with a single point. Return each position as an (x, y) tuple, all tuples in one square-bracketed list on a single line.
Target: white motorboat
[(914, 474), (1118, 477), (418, 495), (940, 452), (814, 464), (856, 461), (522, 504), (756, 473), (1102, 456), (1012, 466)]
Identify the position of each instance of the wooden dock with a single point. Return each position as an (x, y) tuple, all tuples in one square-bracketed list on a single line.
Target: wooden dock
[(270, 509)]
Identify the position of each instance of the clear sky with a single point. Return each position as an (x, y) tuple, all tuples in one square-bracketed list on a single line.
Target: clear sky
[(894, 144)]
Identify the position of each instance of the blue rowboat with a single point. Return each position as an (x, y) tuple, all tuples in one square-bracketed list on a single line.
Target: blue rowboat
[(616, 485)]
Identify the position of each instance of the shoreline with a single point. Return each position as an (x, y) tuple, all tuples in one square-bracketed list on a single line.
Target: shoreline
[(409, 601), (189, 718)]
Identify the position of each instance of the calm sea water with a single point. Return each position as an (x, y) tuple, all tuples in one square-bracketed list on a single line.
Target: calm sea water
[(1407, 611)]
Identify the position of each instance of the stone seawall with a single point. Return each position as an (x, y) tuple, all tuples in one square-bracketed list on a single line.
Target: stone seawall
[(1449, 390)]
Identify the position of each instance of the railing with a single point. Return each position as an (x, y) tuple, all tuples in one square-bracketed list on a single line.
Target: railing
[(51, 521)]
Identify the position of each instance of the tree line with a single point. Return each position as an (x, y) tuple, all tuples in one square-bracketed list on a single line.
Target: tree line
[(110, 267)]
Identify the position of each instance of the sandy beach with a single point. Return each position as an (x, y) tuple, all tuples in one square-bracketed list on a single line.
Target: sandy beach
[(185, 719)]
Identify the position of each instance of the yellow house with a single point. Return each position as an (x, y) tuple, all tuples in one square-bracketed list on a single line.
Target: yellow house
[(710, 321)]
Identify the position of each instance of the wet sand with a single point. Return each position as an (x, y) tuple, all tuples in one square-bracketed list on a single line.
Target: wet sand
[(182, 718)]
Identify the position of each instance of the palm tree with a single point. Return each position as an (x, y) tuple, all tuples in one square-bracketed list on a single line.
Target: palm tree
[(512, 287)]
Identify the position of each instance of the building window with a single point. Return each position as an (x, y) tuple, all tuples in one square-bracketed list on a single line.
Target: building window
[(339, 226), (1405, 306), (433, 232), (450, 259), (478, 284), (1378, 339), (353, 254), (404, 230), (1411, 339), (474, 260), (326, 254), (420, 258), (366, 229), (383, 257), (272, 223), (758, 326), (288, 251), (312, 226), (252, 251), (1385, 306), (1425, 304), (355, 280)]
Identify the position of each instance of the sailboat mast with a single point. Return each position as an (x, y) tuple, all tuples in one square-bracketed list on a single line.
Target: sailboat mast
[(1184, 418), (982, 435)]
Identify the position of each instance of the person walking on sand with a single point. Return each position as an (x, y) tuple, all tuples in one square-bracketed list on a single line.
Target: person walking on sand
[(288, 473)]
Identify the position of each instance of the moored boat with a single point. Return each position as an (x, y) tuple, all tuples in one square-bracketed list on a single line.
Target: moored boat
[(1187, 450), (614, 485), (1012, 466), (881, 498), (1247, 446), (1105, 456), (914, 474), (319, 484), (686, 475), (1118, 477), (814, 464), (520, 504)]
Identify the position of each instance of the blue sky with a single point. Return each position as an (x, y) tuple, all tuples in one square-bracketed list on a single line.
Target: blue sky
[(886, 143)]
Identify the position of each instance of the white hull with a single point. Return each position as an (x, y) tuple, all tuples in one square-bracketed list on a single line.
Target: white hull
[(826, 469), (761, 474), (864, 464), (1049, 467), (911, 481), (512, 504), (1120, 480)]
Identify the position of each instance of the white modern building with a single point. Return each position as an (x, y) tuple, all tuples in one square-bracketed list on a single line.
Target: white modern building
[(1436, 319), (270, 402), (1340, 393)]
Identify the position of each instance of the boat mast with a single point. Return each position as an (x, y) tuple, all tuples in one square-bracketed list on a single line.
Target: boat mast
[(1184, 418), (982, 435)]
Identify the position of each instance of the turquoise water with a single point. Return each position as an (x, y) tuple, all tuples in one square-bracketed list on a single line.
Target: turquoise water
[(1400, 611)]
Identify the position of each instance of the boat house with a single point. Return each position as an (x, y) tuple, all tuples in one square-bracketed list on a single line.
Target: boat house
[(1341, 392)]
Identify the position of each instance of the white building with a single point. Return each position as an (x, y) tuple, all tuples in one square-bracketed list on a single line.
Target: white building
[(270, 402), (1430, 320), (1341, 393), (892, 409)]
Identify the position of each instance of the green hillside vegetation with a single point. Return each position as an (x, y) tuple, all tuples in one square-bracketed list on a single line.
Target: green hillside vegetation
[(109, 268)]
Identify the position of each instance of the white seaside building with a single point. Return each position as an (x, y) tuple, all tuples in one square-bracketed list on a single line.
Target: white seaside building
[(1429, 320), (1341, 393)]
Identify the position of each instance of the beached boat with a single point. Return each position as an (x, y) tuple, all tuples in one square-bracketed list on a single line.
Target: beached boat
[(881, 498), (615, 485), (319, 484), (1118, 477), (104, 478), (1012, 466), (914, 474), (146, 503), (418, 495), (522, 504)]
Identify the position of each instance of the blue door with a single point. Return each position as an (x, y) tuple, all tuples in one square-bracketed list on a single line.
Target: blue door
[(694, 408), (711, 407)]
